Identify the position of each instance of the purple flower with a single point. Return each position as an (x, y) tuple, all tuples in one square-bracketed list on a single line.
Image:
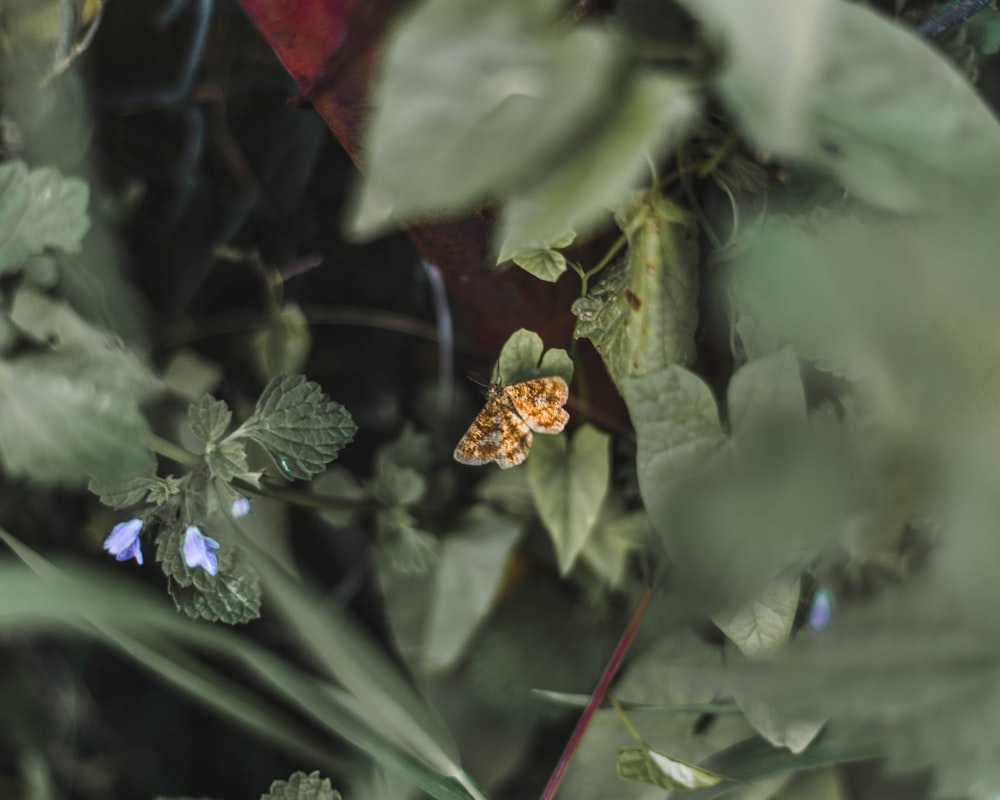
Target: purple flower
[(240, 507), (199, 550), (821, 612), (123, 541)]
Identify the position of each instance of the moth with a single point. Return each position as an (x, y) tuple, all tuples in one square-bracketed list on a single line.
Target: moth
[(501, 432)]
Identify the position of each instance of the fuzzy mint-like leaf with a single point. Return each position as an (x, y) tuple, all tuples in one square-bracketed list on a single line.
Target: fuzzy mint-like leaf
[(643, 765), (132, 491), (233, 595), (227, 460), (209, 418), (569, 479), (302, 787), (39, 208), (643, 314), (298, 426)]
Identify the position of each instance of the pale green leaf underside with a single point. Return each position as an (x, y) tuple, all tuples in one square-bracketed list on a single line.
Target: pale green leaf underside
[(39, 208), (764, 623), (57, 424), (647, 766)]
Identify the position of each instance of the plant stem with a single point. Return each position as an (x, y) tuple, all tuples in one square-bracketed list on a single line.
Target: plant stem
[(950, 16), (620, 713), (599, 693), (172, 451)]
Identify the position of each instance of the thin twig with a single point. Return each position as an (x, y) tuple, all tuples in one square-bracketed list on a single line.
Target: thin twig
[(599, 694), (950, 17)]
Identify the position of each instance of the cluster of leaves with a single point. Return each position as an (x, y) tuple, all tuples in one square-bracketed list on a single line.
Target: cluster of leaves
[(871, 266), (299, 786), (301, 431)]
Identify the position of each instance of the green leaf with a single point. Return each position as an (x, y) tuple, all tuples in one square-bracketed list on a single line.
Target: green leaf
[(460, 82), (302, 787), (102, 355), (39, 208), (397, 486), (232, 595), (60, 423), (648, 766), (209, 418), (764, 623), (569, 481), (839, 86), (541, 259), (677, 430), (132, 491), (411, 449), (546, 265), (643, 313), (777, 728), (338, 483), (403, 544), (646, 120), (430, 628), (521, 359), (228, 460), (764, 389), (298, 426), (615, 536), (282, 346)]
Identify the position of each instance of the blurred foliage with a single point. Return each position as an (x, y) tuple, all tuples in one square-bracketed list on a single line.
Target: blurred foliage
[(791, 203)]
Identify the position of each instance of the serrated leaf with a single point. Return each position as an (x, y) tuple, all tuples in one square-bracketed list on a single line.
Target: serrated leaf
[(209, 418), (648, 117), (232, 596), (643, 765), (228, 460), (440, 136), (521, 359), (896, 123), (677, 431), (126, 492), (39, 208), (298, 426), (764, 623), (59, 423), (302, 787), (643, 313), (282, 346), (569, 480)]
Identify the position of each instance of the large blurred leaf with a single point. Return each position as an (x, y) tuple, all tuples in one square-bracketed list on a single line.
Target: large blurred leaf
[(39, 208), (677, 430), (60, 421), (569, 479), (460, 82), (643, 313), (642, 123), (835, 84)]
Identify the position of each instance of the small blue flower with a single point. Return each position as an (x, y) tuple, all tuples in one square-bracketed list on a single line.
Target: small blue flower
[(123, 541), (199, 550), (821, 612), (240, 507)]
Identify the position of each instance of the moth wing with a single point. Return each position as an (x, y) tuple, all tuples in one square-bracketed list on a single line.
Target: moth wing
[(539, 402), (496, 434)]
